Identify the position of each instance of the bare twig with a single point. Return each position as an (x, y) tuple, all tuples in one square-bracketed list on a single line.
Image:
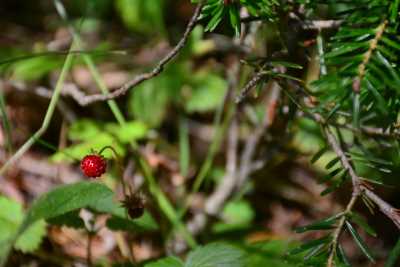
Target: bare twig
[(384, 207), (307, 24), (249, 85), (86, 100), (236, 174)]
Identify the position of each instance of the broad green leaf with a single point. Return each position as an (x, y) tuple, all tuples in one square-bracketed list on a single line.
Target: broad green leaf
[(207, 94), (70, 219), (135, 14), (145, 223), (35, 68), (216, 255), (66, 198), (79, 150), (236, 214), (130, 131), (32, 237), (83, 129), (11, 217), (360, 243), (166, 262), (120, 220)]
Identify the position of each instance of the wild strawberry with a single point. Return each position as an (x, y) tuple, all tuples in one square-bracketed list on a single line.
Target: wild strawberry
[(93, 165), (134, 205)]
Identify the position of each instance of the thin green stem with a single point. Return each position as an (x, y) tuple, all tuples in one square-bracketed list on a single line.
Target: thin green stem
[(49, 113), (6, 122)]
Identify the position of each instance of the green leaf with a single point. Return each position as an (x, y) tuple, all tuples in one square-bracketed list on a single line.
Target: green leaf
[(83, 129), (35, 68), (342, 256), (216, 255), (360, 243), (32, 237), (79, 150), (145, 223), (208, 92), (69, 219), (235, 19), (324, 224), (120, 220), (135, 14), (330, 175), (360, 221), (65, 199), (309, 245), (216, 18), (318, 155), (236, 214), (128, 132), (166, 262), (11, 217), (332, 163)]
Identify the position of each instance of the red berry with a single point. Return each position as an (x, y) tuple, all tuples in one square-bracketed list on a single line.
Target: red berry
[(93, 165)]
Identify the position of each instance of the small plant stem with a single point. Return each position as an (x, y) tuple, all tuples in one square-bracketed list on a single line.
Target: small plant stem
[(338, 230), (5, 120), (49, 113), (164, 203), (120, 167)]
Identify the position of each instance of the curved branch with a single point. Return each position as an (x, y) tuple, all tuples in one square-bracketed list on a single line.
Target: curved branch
[(86, 100)]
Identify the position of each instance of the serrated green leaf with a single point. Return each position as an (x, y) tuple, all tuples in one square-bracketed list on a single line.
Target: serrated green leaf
[(30, 240), (166, 262), (216, 255), (360, 243), (66, 198), (11, 217)]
